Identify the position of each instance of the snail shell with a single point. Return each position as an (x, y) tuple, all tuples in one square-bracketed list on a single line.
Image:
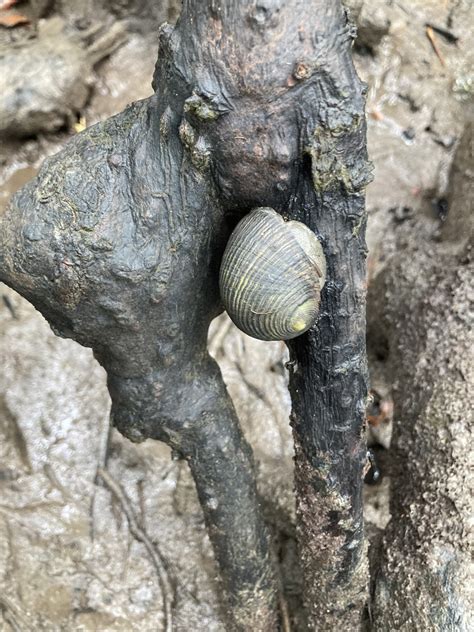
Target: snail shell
[(271, 276)]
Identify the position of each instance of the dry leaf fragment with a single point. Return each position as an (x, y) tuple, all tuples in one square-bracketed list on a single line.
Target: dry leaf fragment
[(7, 4), (12, 20), (81, 125), (380, 410), (376, 115)]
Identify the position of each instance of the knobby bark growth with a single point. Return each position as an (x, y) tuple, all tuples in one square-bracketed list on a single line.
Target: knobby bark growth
[(118, 242)]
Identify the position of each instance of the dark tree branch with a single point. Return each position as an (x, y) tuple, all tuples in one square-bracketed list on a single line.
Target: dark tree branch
[(293, 137), (422, 313), (118, 242), (329, 380)]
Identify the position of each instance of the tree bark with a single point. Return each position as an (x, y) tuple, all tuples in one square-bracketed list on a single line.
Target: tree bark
[(328, 384), (118, 242), (422, 314), (293, 137), (423, 579)]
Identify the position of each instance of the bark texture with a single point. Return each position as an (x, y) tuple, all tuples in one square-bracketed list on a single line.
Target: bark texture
[(292, 136), (118, 242), (423, 579), (328, 378)]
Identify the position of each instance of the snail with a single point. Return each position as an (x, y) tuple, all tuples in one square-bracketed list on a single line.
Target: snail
[(271, 276)]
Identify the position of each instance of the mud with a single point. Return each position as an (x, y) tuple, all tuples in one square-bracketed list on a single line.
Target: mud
[(68, 559)]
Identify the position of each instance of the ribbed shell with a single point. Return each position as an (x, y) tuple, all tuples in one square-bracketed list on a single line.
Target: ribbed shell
[(271, 276)]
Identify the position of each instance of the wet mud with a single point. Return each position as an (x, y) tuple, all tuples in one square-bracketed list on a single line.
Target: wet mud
[(68, 557)]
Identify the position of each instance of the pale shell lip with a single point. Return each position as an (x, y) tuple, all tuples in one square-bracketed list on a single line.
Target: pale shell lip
[(271, 276)]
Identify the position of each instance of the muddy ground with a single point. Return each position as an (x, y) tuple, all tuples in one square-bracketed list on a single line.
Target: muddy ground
[(69, 559)]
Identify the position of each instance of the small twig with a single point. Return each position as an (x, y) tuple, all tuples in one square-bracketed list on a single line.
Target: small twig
[(448, 36), (140, 535), (431, 36), (104, 444), (285, 615), (103, 454), (267, 401), (9, 305), (53, 479)]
